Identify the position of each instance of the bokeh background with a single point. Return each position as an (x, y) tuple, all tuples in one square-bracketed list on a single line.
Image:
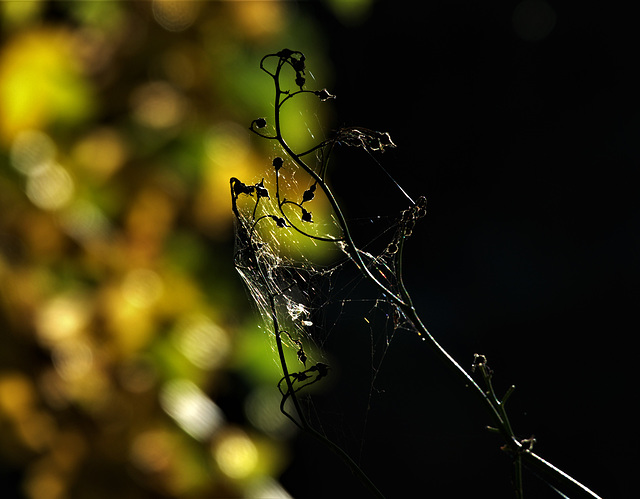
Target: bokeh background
[(131, 364)]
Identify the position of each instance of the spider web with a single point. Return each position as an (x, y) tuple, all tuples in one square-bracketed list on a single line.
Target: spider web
[(308, 283), (300, 274)]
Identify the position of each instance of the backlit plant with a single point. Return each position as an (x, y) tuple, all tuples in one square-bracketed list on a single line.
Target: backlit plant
[(278, 225)]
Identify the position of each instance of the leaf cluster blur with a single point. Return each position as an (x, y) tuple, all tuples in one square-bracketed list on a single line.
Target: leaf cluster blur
[(122, 343)]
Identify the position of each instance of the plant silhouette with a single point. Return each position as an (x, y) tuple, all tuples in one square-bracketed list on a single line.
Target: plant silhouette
[(278, 281)]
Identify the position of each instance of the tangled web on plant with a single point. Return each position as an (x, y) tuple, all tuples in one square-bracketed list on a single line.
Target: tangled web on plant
[(299, 262), (292, 256)]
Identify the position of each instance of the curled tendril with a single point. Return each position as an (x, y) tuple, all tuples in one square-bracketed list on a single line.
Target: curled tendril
[(308, 377), (257, 125)]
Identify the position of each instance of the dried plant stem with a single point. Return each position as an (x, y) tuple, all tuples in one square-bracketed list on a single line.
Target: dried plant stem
[(520, 450)]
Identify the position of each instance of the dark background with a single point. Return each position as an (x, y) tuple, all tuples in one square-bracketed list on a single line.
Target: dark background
[(527, 151)]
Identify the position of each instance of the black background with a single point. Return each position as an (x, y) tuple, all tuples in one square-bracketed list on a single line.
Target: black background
[(527, 152)]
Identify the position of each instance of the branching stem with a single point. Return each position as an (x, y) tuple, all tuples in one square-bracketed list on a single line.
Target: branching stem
[(520, 450), (353, 251)]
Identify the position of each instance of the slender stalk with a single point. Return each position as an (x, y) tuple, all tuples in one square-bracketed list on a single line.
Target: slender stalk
[(303, 424), (555, 475), (285, 370), (517, 477)]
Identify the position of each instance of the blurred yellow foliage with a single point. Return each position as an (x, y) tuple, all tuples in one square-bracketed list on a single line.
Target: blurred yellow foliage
[(17, 395), (41, 82), (121, 124)]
